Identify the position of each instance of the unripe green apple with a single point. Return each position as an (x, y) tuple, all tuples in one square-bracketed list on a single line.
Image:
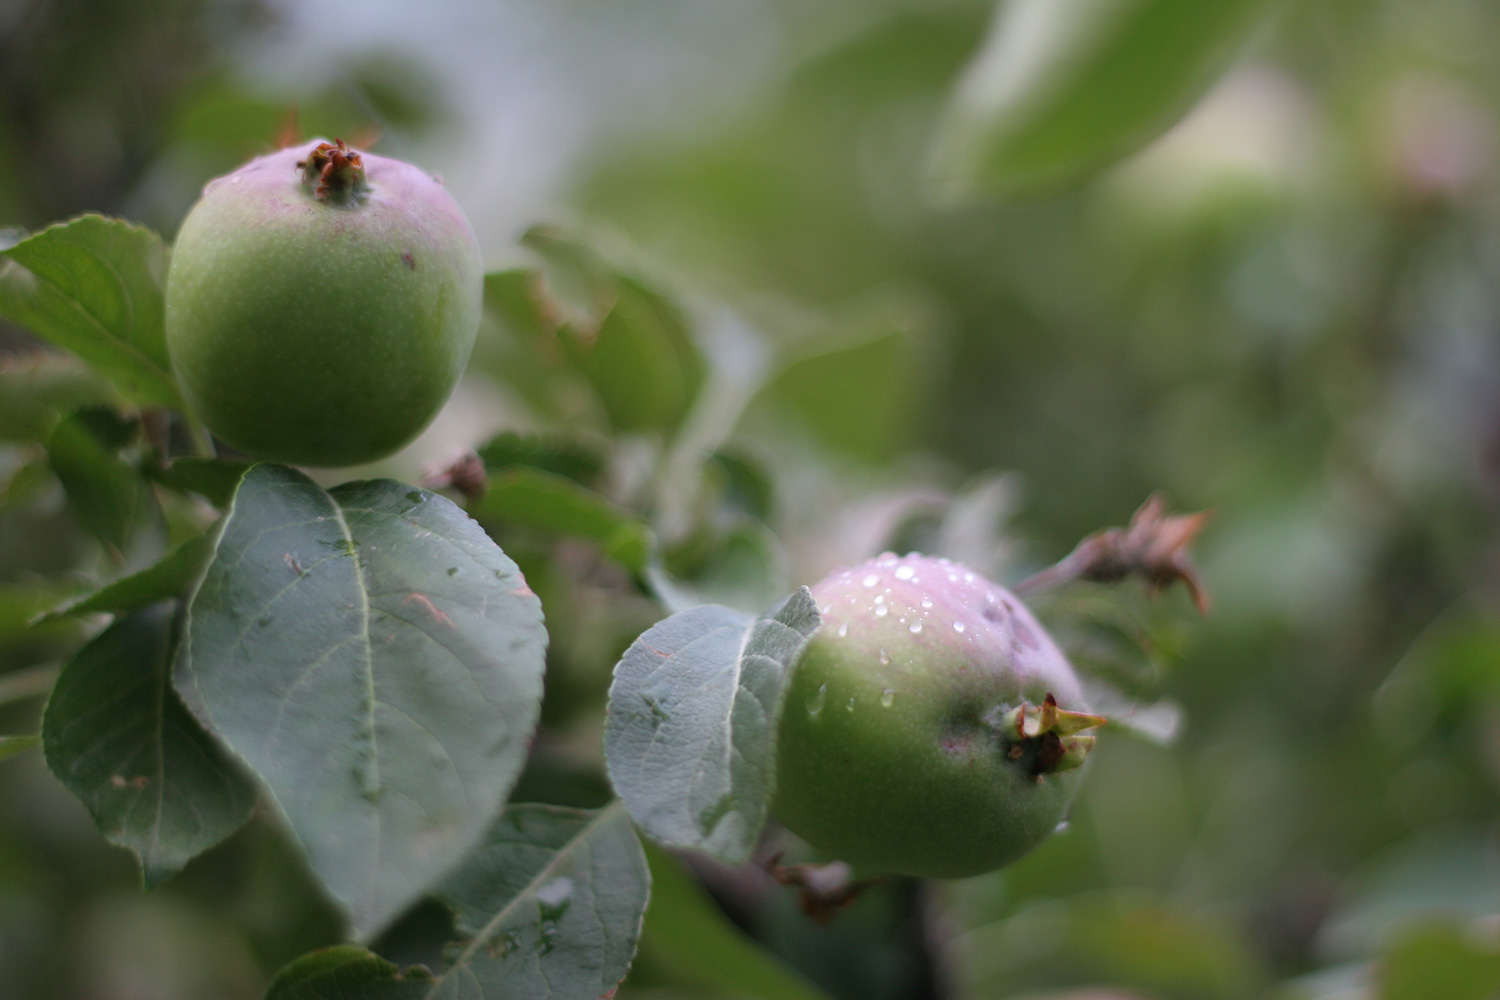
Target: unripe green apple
[(321, 304), (931, 725)]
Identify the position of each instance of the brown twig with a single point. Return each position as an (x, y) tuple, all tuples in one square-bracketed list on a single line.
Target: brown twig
[(1154, 546), (824, 890), (466, 474)]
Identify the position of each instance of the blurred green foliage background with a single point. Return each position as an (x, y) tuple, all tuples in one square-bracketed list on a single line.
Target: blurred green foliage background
[(1285, 308)]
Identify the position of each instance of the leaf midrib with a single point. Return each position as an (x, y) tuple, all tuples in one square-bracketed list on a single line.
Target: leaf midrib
[(547, 872), (120, 341)]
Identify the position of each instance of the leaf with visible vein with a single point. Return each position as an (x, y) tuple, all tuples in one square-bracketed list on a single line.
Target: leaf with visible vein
[(549, 906), (377, 660), (690, 736), (93, 285), (117, 737)]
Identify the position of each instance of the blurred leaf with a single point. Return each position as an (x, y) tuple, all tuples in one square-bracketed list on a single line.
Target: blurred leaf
[(110, 498), (36, 390), (743, 567), (578, 285), (1131, 941), (1449, 877), (1062, 89), (169, 578), (549, 906), (628, 340), (117, 737), (558, 455), (690, 737), (747, 484), (214, 479), (641, 361), (1121, 636), (856, 391), (348, 972), (30, 682), (1158, 721), (11, 745), (538, 499), (1440, 961), (22, 603), (24, 483), (687, 942), (518, 346), (93, 285), (378, 661)]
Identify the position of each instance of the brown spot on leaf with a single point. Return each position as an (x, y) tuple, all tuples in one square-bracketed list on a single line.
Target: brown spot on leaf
[(432, 609)]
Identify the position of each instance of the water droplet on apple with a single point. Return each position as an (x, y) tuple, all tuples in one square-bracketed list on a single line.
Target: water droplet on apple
[(815, 703)]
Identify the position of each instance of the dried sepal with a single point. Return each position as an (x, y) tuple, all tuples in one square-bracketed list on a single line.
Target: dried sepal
[(1154, 546)]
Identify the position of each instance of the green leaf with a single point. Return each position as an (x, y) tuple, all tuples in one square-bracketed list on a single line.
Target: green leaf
[(93, 285), (687, 941), (537, 499), (110, 498), (36, 391), (171, 577), (1441, 960), (641, 360), (518, 346), (748, 486), (557, 455), (378, 661), (856, 391), (549, 906), (742, 567), (690, 737), (347, 972), (1060, 90), (1135, 941), (214, 479), (631, 342), (1442, 876), (578, 285), (116, 735), (12, 745)]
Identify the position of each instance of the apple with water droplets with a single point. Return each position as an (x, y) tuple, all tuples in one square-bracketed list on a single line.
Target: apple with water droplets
[(321, 304), (931, 727)]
